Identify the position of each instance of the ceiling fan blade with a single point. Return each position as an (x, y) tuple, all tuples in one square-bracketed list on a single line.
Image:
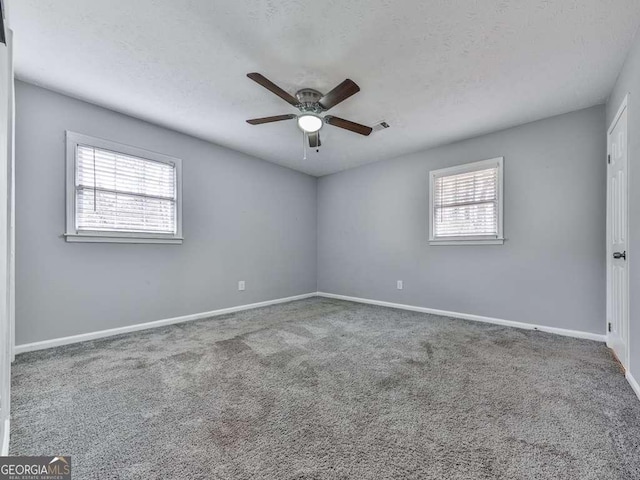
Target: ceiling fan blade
[(339, 94), (277, 118), (272, 87), (314, 139), (348, 125)]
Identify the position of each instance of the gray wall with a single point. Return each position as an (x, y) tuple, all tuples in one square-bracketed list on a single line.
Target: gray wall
[(629, 82), (372, 224), (244, 219)]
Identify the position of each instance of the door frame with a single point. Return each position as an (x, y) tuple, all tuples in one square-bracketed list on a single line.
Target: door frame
[(624, 106), (6, 329)]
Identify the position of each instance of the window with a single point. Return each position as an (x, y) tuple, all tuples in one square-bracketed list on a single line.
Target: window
[(118, 193), (466, 204)]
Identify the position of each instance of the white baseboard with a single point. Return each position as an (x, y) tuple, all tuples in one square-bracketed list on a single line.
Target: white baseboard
[(634, 384), (5, 439), (56, 342), (468, 316)]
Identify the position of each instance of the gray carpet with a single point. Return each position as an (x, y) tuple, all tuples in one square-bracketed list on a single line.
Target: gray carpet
[(325, 389)]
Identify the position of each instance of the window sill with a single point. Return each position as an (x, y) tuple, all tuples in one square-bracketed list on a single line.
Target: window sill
[(99, 238), (471, 241)]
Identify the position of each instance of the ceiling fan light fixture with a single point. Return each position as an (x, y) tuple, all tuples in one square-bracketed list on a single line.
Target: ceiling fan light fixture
[(311, 104), (309, 123)]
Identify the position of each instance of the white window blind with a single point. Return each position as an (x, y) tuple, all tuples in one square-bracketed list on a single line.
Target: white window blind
[(466, 202), (115, 192)]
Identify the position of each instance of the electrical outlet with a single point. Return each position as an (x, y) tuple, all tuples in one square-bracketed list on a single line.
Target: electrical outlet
[(400, 285), (241, 285)]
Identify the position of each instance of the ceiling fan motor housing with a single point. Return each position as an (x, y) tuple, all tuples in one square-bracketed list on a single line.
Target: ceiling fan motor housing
[(309, 100)]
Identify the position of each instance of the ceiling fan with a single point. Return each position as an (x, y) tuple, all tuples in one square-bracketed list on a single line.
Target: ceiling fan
[(312, 104)]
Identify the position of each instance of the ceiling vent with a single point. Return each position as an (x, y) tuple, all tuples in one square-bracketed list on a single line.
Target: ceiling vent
[(380, 126)]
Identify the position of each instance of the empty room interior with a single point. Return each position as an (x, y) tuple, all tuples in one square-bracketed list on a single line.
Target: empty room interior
[(277, 239)]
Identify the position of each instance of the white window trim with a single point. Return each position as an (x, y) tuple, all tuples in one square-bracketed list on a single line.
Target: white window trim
[(469, 167), (73, 139)]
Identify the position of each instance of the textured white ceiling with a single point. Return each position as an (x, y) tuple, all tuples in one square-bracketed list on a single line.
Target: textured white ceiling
[(436, 70)]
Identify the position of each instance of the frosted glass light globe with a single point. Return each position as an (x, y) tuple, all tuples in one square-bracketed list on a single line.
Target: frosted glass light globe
[(309, 123)]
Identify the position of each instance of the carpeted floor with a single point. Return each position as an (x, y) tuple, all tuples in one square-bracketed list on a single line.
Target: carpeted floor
[(326, 389)]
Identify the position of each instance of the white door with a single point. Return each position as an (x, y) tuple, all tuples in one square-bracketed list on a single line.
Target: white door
[(617, 239)]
